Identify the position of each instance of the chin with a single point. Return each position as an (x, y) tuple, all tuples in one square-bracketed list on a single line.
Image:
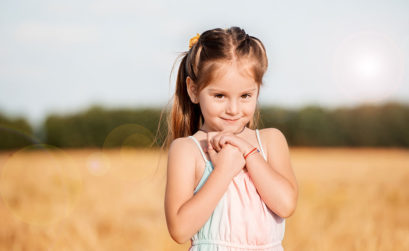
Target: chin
[(234, 129)]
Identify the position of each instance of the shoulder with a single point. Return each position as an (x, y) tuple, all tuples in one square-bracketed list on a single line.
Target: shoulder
[(276, 144), (179, 143), (273, 137), (180, 146)]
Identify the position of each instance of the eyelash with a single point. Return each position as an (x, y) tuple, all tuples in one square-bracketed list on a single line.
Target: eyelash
[(218, 95)]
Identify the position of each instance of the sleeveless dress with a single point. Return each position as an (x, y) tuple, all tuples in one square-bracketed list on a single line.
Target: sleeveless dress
[(241, 219)]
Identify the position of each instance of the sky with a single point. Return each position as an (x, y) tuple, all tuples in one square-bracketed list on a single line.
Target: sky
[(61, 57)]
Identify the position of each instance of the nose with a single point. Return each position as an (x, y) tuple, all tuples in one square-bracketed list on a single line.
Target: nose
[(232, 107)]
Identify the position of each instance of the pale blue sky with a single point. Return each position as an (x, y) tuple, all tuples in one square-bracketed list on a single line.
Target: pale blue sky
[(63, 56)]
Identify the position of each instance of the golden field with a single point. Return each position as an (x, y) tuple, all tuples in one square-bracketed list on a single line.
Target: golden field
[(350, 199)]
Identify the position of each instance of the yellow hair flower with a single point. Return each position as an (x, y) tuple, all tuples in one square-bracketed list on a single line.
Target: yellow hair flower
[(194, 40)]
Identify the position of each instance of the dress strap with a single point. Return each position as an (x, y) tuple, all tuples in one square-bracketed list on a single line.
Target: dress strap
[(200, 148), (259, 142)]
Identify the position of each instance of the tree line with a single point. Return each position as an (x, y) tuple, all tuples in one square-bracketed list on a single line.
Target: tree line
[(370, 125)]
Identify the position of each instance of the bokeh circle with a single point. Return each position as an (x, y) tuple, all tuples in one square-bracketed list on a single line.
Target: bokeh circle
[(40, 184)]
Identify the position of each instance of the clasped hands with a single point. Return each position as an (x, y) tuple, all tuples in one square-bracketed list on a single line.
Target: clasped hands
[(226, 151), (218, 140)]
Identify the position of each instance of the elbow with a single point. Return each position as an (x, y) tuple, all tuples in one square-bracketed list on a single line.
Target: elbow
[(180, 239), (287, 212), (177, 228), (178, 235), (288, 207)]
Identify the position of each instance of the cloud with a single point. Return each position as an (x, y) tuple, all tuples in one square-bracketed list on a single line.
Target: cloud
[(55, 34)]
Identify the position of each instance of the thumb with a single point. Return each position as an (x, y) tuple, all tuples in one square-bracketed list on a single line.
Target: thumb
[(212, 153)]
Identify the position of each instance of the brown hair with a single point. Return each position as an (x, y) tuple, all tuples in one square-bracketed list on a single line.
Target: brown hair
[(200, 62)]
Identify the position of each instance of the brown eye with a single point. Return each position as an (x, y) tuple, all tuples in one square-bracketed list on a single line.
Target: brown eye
[(219, 96), (246, 96)]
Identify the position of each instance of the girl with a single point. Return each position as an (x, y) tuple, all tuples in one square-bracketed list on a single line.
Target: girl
[(229, 187)]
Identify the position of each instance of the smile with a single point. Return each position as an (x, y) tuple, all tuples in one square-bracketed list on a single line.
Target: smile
[(230, 120)]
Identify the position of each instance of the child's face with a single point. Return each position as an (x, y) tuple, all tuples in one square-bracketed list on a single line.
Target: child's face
[(229, 101)]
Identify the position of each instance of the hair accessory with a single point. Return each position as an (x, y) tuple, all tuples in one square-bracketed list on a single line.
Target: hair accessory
[(194, 40), (254, 149)]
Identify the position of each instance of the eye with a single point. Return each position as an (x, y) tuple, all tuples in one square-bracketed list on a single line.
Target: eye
[(218, 96), (246, 96)]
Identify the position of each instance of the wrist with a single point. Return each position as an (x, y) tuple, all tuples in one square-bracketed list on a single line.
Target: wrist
[(247, 149), (250, 152)]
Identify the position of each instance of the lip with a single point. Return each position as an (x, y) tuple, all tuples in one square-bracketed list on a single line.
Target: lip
[(230, 120)]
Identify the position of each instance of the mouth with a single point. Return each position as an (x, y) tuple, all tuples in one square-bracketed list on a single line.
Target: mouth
[(230, 120)]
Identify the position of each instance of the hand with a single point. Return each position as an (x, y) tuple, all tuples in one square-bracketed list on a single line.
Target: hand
[(228, 160), (220, 139)]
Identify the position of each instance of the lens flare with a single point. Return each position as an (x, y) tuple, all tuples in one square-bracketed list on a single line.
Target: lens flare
[(98, 163), (367, 66), (128, 135), (16, 137), (129, 138)]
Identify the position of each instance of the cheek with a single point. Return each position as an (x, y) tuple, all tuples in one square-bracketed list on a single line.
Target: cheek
[(250, 108), (209, 108)]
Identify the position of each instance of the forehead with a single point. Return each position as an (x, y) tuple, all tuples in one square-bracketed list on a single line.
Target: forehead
[(232, 77)]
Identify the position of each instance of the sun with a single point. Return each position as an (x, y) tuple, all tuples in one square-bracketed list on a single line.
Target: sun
[(367, 66)]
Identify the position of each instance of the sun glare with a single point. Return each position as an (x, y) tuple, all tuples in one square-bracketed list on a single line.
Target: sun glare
[(367, 66)]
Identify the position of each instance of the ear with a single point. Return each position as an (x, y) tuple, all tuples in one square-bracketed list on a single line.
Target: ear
[(192, 90)]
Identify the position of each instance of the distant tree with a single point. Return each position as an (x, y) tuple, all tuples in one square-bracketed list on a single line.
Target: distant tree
[(15, 133)]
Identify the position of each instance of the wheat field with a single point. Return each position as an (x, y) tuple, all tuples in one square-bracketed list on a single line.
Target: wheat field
[(93, 199)]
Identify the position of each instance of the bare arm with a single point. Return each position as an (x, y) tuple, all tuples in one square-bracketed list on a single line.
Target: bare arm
[(275, 180), (187, 213)]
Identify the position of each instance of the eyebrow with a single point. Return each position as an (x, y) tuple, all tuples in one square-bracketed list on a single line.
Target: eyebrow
[(219, 90)]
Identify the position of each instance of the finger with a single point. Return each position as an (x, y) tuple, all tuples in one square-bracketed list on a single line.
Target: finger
[(220, 144), (217, 144), (210, 147), (210, 137), (229, 139), (223, 140), (213, 142), (212, 153)]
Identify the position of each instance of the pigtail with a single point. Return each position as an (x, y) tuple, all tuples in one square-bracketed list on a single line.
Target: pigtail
[(185, 117)]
